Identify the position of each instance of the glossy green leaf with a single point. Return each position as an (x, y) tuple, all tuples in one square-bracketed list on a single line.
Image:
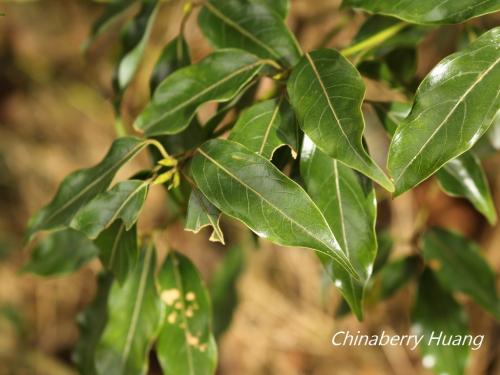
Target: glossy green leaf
[(134, 316), (223, 288), (201, 213), (460, 267), (438, 129), (80, 187), (326, 92), (347, 200), (266, 126), (218, 77), (428, 11), (124, 201), (118, 249), (134, 38), (250, 26), (279, 6), (393, 276), (91, 323), (248, 187), (464, 177), (174, 56), (113, 10), (186, 345), (461, 177), (437, 313), (60, 252)]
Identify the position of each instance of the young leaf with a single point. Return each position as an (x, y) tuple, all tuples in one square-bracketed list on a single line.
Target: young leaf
[(278, 6), (118, 249), (248, 187), (202, 213), (326, 92), (454, 105), (266, 126), (464, 177), (459, 266), (218, 77), (134, 316), (81, 186), (347, 201), (451, 321), (174, 56), (461, 177), (60, 252), (223, 288), (186, 345), (124, 201), (135, 36), (91, 323), (428, 11), (250, 26)]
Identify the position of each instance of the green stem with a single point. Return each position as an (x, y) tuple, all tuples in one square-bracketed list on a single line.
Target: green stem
[(374, 40), (120, 127)]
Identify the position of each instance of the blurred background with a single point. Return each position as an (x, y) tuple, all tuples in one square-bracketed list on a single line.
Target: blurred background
[(56, 116)]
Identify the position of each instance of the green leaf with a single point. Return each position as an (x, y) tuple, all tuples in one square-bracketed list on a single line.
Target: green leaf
[(174, 56), (111, 13), (60, 252), (186, 345), (91, 323), (460, 267), (124, 201), (279, 6), (80, 187), (428, 11), (347, 200), (134, 38), (450, 321), (248, 187), (461, 177), (250, 26), (385, 244), (454, 105), (118, 249), (326, 92), (266, 126), (134, 317), (218, 77), (392, 277), (465, 177), (201, 213), (223, 288)]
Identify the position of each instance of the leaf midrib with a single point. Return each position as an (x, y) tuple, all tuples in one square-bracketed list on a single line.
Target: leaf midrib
[(270, 125)]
